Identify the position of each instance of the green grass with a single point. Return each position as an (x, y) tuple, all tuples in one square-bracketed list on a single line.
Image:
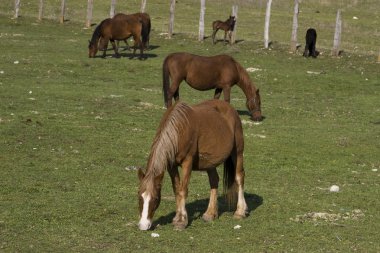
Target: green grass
[(70, 127)]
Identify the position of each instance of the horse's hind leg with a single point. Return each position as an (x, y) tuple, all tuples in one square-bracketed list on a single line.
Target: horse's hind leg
[(173, 91), (212, 210), (242, 208), (218, 92)]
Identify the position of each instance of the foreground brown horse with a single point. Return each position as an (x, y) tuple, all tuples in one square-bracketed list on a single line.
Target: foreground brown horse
[(219, 72), (199, 137), (227, 26), (120, 27)]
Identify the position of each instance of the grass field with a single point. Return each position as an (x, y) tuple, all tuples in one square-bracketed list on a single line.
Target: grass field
[(72, 129)]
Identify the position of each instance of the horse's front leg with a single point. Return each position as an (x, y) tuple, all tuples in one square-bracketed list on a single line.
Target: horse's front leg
[(212, 210), (226, 93), (115, 48), (213, 36), (105, 48), (180, 220), (230, 36)]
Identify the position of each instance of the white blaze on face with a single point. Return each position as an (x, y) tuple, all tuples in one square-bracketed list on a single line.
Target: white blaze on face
[(145, 223)]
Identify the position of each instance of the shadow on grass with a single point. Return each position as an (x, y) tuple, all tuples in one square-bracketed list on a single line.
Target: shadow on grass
[(246, 113), (196, 209)]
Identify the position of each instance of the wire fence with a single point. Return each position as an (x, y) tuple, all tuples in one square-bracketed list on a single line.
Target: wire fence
[(360, 31)]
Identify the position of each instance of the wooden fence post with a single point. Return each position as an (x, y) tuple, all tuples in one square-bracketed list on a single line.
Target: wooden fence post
[(40, 10), (143, 5), (112, 10), (293, 40), (171, 20), (266, 27), (17, 8), (235, 14), (90, 6), (202, 21), (338, 31), (62, 17)]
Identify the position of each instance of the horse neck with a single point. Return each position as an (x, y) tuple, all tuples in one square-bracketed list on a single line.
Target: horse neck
[(165, 144), (97, 33), (246, 84), (152, 182)]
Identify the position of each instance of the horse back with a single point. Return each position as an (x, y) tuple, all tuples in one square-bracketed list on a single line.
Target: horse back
[(219, 132), (124, 26), (202, 72)]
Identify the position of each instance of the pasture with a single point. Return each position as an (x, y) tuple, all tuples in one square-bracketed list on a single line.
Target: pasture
[(74, 129)]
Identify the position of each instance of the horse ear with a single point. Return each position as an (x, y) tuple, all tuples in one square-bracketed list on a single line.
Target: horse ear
[(257, 91), (140, 174)]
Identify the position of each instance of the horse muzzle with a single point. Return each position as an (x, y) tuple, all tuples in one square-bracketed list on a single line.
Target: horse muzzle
[(256, 116), (145, 224)]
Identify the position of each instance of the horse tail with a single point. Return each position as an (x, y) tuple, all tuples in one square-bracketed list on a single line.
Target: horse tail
[(145, 23), (229, 187), (165, 80)]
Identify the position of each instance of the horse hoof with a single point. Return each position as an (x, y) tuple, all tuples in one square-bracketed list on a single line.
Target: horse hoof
[(239, 216), (208, 217), (179, 226)]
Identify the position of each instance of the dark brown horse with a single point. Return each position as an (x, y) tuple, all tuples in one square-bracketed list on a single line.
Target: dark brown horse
[(227, 26), (219, 72), (146, 27), (120, 27), (197, 138)]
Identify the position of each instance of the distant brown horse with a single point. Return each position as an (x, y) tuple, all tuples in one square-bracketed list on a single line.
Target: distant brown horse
[(227, 26), (219, 72), (146, 27), (120, 27), (197, 138)]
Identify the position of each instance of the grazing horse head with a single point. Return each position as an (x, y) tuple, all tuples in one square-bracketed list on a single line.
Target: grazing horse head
[(254, 106), (149, 198), (92, 49)]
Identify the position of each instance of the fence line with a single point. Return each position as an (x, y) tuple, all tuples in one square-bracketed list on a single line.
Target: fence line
[(247, 30)]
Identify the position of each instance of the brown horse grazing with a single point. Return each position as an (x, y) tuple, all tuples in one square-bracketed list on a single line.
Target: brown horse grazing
[(228, 27), (218, 72), (199, 137), (120, 27), (146, 27)]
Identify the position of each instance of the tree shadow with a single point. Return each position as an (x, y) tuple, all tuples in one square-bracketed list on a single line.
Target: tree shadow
[(196, 209)]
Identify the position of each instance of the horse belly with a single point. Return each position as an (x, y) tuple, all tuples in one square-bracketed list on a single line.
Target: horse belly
[(202, 76)]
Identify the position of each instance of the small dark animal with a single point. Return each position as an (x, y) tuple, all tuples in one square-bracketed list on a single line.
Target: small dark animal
[(311, 40), (219, 72), (228, 27), (120, 27)]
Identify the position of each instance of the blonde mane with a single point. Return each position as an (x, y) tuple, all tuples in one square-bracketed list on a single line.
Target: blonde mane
[(165, 144)]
